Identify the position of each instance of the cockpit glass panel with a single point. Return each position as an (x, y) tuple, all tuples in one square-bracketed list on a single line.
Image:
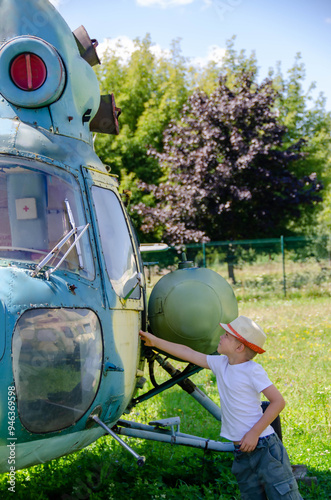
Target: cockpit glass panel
[(116, 243), (39, 205), (57, 362)]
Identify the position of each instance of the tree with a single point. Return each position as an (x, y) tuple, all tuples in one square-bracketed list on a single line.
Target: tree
[(151, 91), (228, 173), (305, 118)]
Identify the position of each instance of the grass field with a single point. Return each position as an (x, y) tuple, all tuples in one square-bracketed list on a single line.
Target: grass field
[(297, 361)]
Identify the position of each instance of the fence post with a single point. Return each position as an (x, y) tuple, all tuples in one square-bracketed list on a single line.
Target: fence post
[(283, 258), (204, 254)]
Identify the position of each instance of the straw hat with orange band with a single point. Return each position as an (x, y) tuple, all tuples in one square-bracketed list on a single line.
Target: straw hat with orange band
[(248, 332)]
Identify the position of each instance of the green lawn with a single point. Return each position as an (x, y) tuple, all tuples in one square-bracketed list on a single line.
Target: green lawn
[(297, 361)]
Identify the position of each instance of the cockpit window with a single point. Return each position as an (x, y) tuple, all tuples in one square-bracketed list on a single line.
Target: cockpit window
[(39, 205), (116, 243), (57, 362)]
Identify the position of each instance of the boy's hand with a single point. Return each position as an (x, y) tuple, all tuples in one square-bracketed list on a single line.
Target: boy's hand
[(277, 403), (249, 441), (147, 338), (178, 350)]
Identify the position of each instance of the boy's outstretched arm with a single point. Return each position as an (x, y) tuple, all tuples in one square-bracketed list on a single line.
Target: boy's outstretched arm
[(178, 350), (277, 404)]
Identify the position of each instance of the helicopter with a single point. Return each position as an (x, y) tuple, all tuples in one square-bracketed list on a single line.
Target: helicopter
[(72, 283)]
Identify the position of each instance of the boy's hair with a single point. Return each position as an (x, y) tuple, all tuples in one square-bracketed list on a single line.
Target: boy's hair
[(250, 353)]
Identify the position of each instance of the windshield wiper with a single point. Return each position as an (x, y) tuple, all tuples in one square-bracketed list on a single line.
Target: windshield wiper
[(73, 225), (57, 248)]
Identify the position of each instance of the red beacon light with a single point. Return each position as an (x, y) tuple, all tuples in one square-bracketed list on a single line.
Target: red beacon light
[(32, 72), (28, 71)]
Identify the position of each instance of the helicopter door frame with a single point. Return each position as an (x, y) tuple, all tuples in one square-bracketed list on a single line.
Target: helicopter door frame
[(93, 177)]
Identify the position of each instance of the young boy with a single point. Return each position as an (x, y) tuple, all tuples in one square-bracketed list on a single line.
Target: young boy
[(261, 464)]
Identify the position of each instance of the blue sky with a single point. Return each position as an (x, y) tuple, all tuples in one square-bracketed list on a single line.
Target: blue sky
[(275, 29)]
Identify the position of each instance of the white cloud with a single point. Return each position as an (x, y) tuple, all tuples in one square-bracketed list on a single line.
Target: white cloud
[(159, 52), (124, 47), (163, 3), (215, 54)]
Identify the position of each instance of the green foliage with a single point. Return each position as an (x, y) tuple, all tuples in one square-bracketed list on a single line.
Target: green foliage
[(228, 174), (150, 91), (236, 64), (307, 120), (324, 217)]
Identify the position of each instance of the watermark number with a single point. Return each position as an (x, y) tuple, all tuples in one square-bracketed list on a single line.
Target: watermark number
[(11, 438)]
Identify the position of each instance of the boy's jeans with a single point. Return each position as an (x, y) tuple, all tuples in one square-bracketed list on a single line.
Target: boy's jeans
[(265, 473)]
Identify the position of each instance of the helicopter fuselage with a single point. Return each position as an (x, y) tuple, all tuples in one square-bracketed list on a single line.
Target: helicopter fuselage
[(71, 288)]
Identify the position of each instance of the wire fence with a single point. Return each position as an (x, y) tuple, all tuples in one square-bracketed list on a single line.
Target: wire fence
[(285, 266)]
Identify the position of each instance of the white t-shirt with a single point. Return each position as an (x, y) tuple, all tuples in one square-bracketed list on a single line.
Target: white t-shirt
[(239, 387)]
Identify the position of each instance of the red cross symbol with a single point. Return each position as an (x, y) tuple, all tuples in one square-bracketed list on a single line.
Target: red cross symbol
[(26, 209)]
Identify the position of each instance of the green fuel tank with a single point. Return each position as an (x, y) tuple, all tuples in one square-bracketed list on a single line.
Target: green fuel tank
[(186, 306)]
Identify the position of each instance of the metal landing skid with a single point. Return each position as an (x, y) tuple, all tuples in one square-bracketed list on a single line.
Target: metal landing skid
[(158, 431), (167, 431), (140, 459)]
